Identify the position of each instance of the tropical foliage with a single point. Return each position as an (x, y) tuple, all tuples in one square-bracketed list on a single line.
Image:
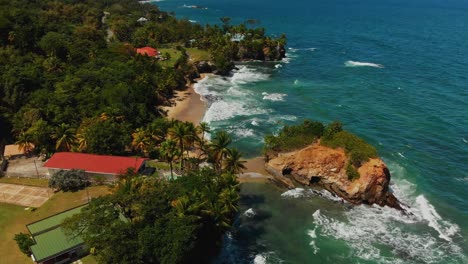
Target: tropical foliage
[(150, 220), (72, 180)]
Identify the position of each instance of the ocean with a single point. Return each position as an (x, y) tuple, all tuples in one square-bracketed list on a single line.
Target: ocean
[(393, 72)]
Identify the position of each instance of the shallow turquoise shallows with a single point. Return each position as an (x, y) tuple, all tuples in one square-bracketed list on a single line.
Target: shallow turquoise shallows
[(395, 73)]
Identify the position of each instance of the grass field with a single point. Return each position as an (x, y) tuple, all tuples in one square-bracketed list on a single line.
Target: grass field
[(174, 55), (26, 181), (13, 219), (198, 54)]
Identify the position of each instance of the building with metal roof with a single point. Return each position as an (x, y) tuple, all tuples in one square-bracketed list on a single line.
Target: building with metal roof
[(94, 165), (52, 244)]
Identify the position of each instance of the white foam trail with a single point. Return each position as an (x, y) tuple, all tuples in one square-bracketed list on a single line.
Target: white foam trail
[(275, 97), (248, 75), (401, 155), (249, 213), (362, 64), (296, 82), (312, 243), (427, 211), (304, 193), (367, 228), (193, 21), (464, 140), (277, 66)]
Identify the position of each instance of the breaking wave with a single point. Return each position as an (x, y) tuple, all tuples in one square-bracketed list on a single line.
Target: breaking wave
[(274, 96), (410, 238), (362, 64)]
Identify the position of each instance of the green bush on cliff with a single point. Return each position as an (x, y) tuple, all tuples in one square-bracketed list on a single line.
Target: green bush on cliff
[(294, 137), (352, 172)]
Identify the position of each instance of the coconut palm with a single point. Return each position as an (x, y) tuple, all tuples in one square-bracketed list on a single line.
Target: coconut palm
[(233, 162), (219, 147), (170, 151), (203, 128), (25, 142), (65, 137), (181, 134), (141, 141)]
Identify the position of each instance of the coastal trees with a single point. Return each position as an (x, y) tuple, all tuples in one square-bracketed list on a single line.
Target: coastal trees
[(233, 163), (188, 216), (170, 152), (65, 137)]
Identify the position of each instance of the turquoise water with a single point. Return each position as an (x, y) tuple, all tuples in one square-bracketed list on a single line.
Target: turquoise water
[(395, 73)]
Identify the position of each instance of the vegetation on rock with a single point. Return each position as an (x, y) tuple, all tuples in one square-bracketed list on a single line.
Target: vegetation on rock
[(298, 136)]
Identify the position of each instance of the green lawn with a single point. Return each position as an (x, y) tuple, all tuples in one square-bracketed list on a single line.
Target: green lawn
[(174, 55), (198, 54), (13, 219), (26, 181)]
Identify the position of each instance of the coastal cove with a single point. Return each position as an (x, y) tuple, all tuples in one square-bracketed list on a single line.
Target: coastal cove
[(393, 77)]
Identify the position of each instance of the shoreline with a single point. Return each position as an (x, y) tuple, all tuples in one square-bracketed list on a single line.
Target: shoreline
[(187, 105)]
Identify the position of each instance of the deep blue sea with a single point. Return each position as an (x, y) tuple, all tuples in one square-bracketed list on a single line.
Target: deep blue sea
[(393, 72)]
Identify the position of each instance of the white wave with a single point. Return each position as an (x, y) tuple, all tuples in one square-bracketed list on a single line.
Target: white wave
[(223, 110), (427, 211), (193, 21), (312, 243), (464, 140), (304, 193), (242, 132), (294, 193), (260, 259), (367, 228), (401, 155), (249, 213), (254, 122), (296, 82), (267, 257), (362, 64), (247, 74), (274, 96), (149, 1), (293, 50), (277, 66)]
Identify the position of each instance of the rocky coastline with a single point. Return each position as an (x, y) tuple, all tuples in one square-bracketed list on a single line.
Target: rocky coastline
[(324, 167)]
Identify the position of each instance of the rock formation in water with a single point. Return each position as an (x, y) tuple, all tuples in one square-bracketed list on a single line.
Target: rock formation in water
[(322, 166)]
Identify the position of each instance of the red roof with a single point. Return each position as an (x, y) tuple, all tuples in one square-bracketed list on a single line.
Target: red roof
[(93, 163), (149, 51)]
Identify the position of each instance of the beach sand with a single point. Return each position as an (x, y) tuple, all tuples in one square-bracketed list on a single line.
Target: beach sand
[(255, 171), (186, 106)]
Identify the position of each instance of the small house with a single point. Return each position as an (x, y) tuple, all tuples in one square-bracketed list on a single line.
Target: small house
[(14, 151), (52, 245), (147, 51)]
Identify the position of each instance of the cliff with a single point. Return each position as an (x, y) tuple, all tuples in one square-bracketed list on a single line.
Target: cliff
[(322, 166)]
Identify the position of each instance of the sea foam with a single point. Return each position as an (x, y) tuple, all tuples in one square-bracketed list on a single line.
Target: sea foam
[(367, 228), (362, 64), (275, 97)]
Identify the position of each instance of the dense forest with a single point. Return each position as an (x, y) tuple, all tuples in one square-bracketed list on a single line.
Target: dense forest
[(70, 78)]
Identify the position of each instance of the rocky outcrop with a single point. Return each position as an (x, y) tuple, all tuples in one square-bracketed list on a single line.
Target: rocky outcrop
[(318, 165)]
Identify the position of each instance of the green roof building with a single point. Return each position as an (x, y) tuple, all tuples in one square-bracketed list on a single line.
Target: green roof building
[(52, 244)]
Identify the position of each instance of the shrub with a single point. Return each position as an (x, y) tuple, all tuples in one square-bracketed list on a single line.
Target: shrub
[(294, 137), (99, 179), (24, 242), (357, 149), (351, 172), (72, 180)]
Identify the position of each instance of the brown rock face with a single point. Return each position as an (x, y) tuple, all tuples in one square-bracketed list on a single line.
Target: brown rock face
[(317, 165)]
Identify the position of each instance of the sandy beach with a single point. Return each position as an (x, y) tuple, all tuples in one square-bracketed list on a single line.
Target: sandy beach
[(186, 105)]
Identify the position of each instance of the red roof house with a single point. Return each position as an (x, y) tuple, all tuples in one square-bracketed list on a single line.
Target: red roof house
[(93, 164), (147, 51)]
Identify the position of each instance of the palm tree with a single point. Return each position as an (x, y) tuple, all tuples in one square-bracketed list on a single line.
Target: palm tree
[(233, 163), (65, 137), (219, 147), (25, 142), (169, 151), (230, 196), (203, 128), (141, 141), (181, 135)]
